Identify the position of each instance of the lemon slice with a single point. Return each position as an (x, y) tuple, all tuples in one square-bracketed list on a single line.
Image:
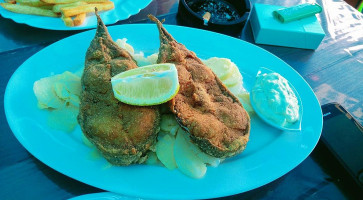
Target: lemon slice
[(148, 85)]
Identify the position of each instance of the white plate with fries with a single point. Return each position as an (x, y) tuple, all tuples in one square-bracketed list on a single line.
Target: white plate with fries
[(69, 14), (270, 153)]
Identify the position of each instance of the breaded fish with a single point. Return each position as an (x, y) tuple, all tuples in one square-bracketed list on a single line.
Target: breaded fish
[(216, 120), (123, 133)]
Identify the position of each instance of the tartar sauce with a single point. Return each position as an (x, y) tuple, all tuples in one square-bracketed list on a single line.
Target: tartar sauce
[(274, 98)]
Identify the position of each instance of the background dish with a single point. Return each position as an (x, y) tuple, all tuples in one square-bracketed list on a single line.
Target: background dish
[(123, 10), (269, 154)]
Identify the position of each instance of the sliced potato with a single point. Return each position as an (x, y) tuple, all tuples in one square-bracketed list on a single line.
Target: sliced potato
[(55, 91), (168, 122), (88, 8), (68, 88), (64, 119), (213, 161), (152, 159), (60, 90), (46, 96), (152, 59), (17, 8), (123, 44), (143, 61), (220, 66), (165, 150), (244, 98), (73, 99), (86, 141), (236, 89), (79, 72), (72, 82), (235, 78), (188, 163)]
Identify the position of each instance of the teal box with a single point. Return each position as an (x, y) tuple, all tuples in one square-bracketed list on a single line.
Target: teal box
[(305, 33)]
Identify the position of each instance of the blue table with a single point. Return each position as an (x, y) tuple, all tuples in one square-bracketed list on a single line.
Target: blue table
[(334, 71)]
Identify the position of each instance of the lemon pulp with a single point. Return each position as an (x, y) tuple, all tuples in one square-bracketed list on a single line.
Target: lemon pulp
[(148, 85)]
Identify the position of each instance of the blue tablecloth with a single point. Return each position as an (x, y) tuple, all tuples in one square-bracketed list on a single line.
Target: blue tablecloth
[(334, 71)]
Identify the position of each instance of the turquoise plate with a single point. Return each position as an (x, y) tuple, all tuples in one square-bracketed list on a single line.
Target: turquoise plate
[(270, 152)]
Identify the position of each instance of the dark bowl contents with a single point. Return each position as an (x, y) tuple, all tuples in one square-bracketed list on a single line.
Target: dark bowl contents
[(224, 16), (221, 11)]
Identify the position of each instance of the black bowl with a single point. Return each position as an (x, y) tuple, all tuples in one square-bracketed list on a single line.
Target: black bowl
[(188, 15)]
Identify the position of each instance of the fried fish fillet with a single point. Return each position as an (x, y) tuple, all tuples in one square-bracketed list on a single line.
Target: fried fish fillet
[(214, 117), (123, 133)]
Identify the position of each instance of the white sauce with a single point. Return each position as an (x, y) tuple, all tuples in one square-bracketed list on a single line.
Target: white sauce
[(274, 98)]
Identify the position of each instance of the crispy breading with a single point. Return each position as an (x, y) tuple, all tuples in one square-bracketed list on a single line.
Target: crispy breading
[(123, 133), (214, 117)]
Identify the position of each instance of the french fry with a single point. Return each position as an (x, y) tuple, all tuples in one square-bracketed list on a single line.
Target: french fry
[(40, 4), (73, 11), (67, 21), (57, 7), (10, 1), (79, 19), (36, 3), (72, 1), (96, 1), (28, 10), (48, 7)]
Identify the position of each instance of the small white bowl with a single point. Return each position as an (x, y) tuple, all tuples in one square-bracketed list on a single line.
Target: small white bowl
[(296, 126)]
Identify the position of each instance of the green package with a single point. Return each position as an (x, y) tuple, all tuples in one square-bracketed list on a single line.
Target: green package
[(297, 12)]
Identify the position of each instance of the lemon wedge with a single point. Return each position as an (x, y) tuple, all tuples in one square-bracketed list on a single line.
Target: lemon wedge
[(148, 85)]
